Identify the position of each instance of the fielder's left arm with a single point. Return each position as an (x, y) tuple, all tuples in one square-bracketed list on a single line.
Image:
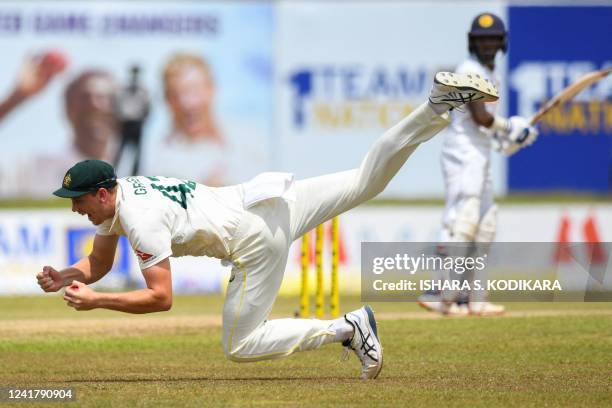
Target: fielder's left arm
[(88, 269), (156, 297)]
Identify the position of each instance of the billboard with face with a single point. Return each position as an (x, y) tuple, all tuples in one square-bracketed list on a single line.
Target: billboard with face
[(75, 75)]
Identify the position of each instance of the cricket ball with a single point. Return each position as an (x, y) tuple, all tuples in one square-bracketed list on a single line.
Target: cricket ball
[(54, 61)]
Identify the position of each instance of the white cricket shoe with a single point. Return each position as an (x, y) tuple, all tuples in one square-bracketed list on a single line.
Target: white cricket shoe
[(434, 303), (458, 89), (365, 342), (457, 310), (486, 309), (431, 302)]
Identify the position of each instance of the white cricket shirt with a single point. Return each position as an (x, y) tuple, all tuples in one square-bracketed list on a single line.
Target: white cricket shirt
[(164, 217), (463, 132)]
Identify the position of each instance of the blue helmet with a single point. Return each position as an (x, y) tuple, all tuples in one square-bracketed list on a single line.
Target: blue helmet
[(487, 25)]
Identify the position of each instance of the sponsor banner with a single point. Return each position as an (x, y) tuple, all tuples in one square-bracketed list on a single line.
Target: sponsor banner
[(28, 241), (573, 150), (560, 226), (79, 243), (188, 84), (32, 239), (362, 69)]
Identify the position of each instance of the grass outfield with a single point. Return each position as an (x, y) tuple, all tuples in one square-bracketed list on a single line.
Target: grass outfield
[(538, 355)]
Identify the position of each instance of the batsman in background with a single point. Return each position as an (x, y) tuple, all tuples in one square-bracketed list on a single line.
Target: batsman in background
[(470, 214), (250, 226)]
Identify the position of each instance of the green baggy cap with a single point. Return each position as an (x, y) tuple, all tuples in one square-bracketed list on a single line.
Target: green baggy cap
[(87, 176)]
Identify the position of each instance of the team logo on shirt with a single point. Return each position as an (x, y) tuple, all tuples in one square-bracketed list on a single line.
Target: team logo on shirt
[(144, 257)]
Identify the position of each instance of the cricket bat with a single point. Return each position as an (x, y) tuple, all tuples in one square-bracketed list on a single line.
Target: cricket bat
[(569, 92), (562, 97)]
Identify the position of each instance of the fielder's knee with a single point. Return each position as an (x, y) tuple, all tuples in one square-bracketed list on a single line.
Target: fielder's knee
[(367, 190)]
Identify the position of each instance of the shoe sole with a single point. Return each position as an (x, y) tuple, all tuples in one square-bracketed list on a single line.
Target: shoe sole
[(374, 329), (469, 82)]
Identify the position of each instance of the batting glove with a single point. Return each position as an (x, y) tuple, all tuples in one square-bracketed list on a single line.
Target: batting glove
[(513, 134)]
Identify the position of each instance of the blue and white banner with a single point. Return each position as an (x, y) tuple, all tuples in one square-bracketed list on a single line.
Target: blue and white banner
[(34, 238), (550, 47), (347, 71), (31, 239)]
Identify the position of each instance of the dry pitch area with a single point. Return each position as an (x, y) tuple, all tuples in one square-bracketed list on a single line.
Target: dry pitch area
[(537, 355)]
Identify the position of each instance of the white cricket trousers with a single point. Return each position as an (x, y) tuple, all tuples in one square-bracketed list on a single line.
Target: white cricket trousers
[(260, 246), (467, 173)]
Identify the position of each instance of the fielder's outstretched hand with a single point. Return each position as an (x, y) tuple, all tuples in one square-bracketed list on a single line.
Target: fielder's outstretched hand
[(49, 279), (79, 296)]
